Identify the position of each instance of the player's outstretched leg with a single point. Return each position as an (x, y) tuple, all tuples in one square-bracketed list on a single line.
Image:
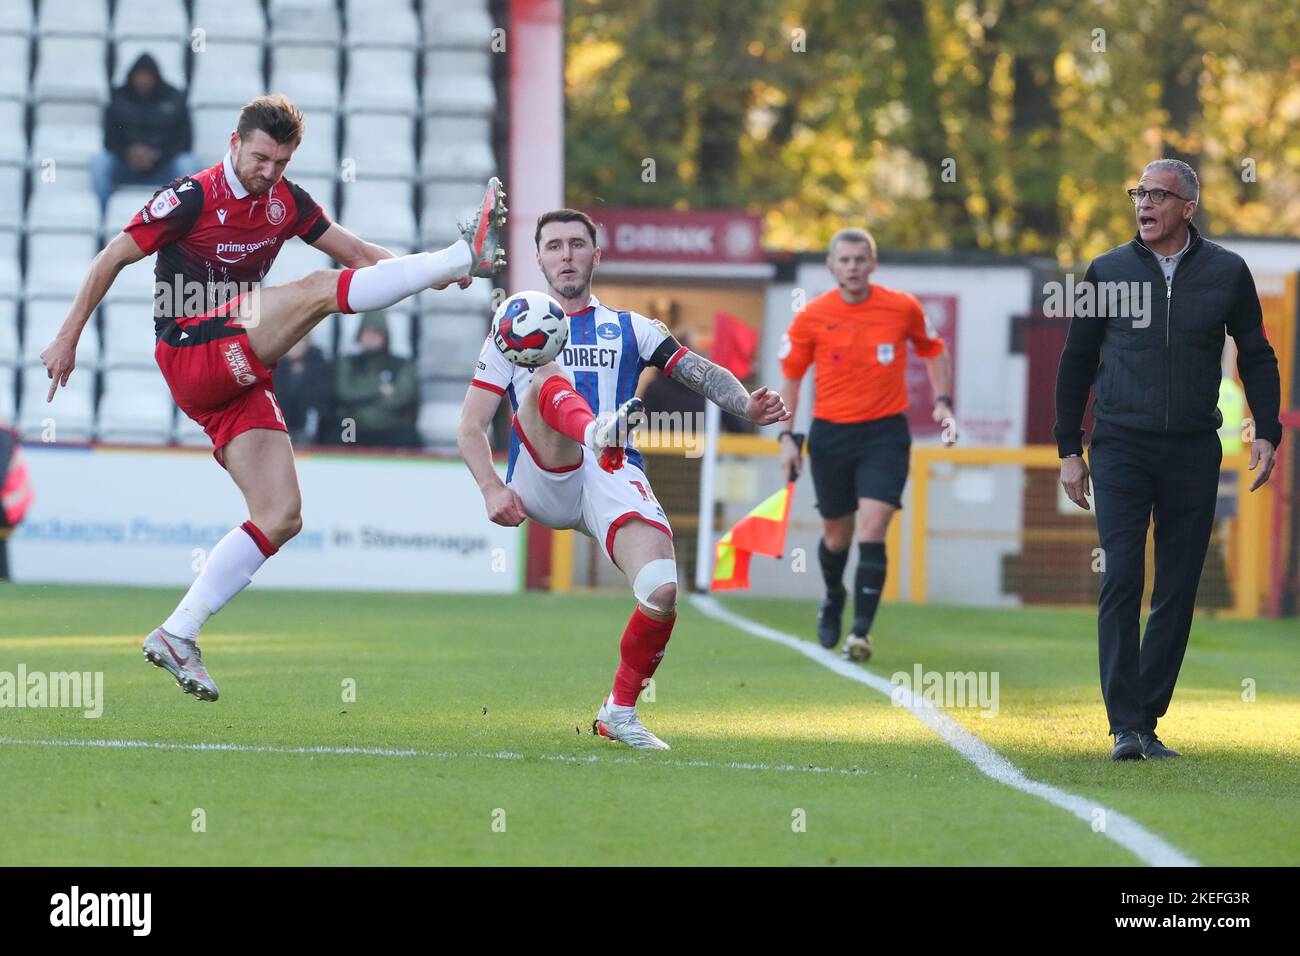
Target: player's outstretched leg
[(261, 462), (277, 317), (554, 419), (646, 555)]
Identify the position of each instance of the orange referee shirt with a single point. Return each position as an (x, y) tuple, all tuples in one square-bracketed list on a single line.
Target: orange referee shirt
[(860, 352)]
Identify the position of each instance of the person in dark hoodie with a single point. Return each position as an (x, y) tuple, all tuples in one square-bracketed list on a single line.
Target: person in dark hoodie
[(377, 392), (147, 135)]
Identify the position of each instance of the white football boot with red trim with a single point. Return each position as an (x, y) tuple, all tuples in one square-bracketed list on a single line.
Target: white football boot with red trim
[(183, 660), (613, 431), (485, 234), (622, 724)]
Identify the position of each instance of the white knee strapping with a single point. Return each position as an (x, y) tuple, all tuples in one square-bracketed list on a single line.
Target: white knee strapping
[(651, 578)]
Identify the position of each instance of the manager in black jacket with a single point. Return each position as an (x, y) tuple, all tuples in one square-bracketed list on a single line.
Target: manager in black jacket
[(1156, 368)]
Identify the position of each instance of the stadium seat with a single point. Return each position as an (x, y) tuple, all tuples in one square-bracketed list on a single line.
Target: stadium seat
[(9, 353), (399, 332), (380, 210), (319, 188), (135, 408), (230, 20), (11, 196), (13, 119), (57, 262), (10, 281), (169, 54), (82, 18), (134, 285), (382, 145), (398, 27), (16, 18), (381, 80), (42, 320), (458, 83), (457, 146), (437, 423), (318, 154), (228, 74), (457, 25), (70, 417), (295, 260), (55, 207), (15, 68), (447, 202), (157, 19), (128, 335), (212, 127), (307, 74), (70, 134), (8, 396), (450, 343), (125, 202), (190, 433), (476, 299), (305, 21), (70, 68)]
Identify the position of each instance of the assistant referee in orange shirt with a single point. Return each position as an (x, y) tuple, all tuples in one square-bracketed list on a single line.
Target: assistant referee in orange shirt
[(859, 444)]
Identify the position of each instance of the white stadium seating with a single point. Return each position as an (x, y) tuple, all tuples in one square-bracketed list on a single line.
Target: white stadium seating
[(228, 73), (15, 68), (57, 262), (168, 54), (151, 19), (308, 75), (399, 332), (122, 207), (16, 17), (230, 20), (476, 299), (379, 210), (82, 18), (136, 408), (447, 202), (190, 433), (55, 207), (295, 260), (42, 320), (382, 145), (134, 285), (71, 134), (309, 21), (13, 119), (318, 188), (437, 423), (318, 153), (11, 196), (212, 126), (9, 353), (128, 335), (458, 83), (450, 343), (8, 398), (381, 80), (457, 25), (397, 27), (10, 280), (71, 68), (457, 146), (70, 417)]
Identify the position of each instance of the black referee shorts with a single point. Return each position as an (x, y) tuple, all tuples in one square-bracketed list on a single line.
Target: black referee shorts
[(858, 460)]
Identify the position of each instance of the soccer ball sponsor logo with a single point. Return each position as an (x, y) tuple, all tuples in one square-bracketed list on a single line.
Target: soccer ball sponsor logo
[(530, 329), (275, 212)]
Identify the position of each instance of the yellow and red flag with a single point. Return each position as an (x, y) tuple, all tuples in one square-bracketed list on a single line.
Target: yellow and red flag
[(762, 531)]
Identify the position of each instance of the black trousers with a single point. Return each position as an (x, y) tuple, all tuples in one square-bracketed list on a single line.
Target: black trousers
[(1136, 475)]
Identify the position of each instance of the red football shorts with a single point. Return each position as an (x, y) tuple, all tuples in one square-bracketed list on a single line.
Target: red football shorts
[(215, 378)]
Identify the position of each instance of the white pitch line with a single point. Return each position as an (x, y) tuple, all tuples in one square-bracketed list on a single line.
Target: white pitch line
[(429, 754), (1125, 831)]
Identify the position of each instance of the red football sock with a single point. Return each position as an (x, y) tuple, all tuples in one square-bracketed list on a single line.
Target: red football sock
[(642, 648), (564, 409)]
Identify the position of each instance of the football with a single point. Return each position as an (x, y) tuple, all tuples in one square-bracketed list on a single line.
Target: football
[(530, 328)]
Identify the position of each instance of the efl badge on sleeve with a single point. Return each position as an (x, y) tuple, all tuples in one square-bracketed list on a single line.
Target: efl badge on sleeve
[(164, 203)]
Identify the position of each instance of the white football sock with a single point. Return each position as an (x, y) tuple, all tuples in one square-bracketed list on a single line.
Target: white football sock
[(389, 281), (229, 569)]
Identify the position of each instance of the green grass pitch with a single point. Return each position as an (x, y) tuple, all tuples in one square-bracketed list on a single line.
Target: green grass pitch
[(492, 698)]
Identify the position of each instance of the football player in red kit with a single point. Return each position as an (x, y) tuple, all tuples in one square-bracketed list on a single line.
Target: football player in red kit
[(219, 334)]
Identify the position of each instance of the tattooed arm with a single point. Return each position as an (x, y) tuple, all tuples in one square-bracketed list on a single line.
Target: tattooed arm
[(719, 386)]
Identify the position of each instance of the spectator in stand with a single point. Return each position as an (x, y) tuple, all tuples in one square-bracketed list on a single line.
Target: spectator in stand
[(377, 390), (147, 136), (304, 384)]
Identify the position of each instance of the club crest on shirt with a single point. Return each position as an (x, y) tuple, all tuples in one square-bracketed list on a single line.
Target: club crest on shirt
[(164, 203), (275, 212), (608, 330), (885, 353)]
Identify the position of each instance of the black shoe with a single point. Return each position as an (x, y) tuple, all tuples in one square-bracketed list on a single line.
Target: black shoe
[(1154, 749), (830, 618), (1128, 746)]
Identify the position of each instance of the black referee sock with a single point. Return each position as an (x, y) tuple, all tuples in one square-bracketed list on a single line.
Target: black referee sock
[(832, 563), (868, 583)]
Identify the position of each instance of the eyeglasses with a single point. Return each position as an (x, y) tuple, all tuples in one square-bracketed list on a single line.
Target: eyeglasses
[(1157, 195)]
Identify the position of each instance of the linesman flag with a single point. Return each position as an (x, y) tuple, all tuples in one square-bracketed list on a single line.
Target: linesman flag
[(762, 531)]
